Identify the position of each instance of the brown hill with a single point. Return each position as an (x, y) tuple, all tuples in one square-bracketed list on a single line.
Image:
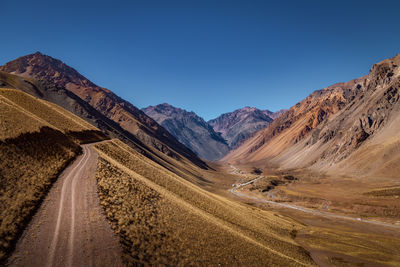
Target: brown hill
[(117, 115), (341, 128)]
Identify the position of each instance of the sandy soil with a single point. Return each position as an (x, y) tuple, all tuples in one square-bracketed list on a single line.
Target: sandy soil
[(70, 229)]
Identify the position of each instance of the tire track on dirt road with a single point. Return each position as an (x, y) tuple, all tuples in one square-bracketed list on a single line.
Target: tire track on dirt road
[(73, 173), (70, 228)]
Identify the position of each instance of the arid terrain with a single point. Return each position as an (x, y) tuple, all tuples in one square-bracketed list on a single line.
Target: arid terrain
[(152, 199), (166, 210), (333, 236), (340, 148), (87, 179)]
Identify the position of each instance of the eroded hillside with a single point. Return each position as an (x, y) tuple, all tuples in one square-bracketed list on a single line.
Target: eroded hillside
[(341, 127)]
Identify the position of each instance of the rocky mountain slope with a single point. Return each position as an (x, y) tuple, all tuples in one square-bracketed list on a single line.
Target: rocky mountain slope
[(190, 129), (64, 86), (240, 124), (275, 114), (350, 127)]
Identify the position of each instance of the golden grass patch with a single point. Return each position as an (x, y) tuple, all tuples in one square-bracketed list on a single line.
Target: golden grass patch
[(164, 219), (13, 122), (42, 110)]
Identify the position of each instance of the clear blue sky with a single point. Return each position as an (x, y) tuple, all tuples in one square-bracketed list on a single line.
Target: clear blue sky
[(207, 56)]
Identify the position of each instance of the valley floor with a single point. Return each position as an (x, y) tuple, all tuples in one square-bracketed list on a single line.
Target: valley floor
[(334, 237)]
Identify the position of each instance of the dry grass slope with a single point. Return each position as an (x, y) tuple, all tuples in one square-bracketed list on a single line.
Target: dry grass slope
[(164, 219), (28, 166), (52, 114), (13, 122), (37, 141)]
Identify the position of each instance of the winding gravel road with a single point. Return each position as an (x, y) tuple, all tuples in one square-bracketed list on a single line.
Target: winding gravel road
[(70, 229), (299, 208)]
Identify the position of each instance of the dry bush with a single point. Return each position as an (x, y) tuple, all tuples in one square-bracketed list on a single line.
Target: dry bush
[(29, 164), (164, 219)]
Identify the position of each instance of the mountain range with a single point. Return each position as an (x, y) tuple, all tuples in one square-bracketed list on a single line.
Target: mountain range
[(240, 124), (121, 118), (190, 129), (346, 128), (213, 139), (63, 85), (81, 161)]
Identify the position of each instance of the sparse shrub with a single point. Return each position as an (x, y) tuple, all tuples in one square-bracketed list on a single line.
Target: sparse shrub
[(276, 182), (257, 171), (293, 233), (290, 177)]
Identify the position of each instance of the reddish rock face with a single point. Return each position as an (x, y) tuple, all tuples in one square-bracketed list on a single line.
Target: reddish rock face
[(333, 126), (130, 118)]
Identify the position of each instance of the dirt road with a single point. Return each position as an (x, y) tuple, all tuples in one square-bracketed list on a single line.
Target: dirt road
[(70, 229), (299, 208)]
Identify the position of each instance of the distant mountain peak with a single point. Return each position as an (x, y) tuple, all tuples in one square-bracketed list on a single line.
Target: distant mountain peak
[(190, 129), (240, 124), (164, 105), (42, 66)]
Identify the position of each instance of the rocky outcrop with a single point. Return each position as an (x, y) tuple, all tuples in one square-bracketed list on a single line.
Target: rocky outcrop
[(274, 115), (345, 127), (240, 124), (190, 129)]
